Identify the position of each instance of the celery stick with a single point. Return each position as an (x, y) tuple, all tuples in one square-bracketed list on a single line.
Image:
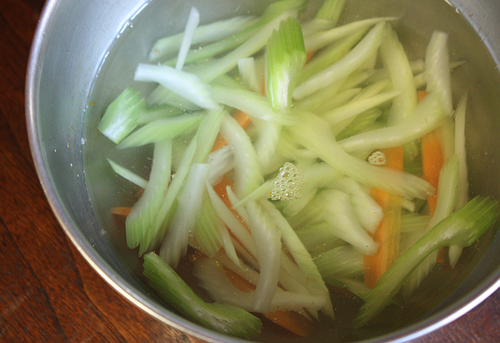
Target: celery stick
[(168, 206), (319, 40), (286, 56), (261, 193), (427, 116), (413, 222), (340, 214), (144, 212), (248, 175), (323, 96), (253, 104), (207, 133), (188, 210), (221, 161), (203, 34), (316, 25), (220, 288), (127, 174), (187, 85), (396, 62), (335, 101), (248, 73), (369, 212), (437, 70), (366, 121), (191, 25), (342, 116), (207, 229), (344, 261), (353, 60), (161, 129), (330, 55), (461, 228), (318, 238), (314, 133), (417, 66), (463, 182), (158, 112), (265, 144), (222, 318), (331, 10), (268, 242), (121, 116)]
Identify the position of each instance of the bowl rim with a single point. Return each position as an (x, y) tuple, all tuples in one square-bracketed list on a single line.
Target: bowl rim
[(422, 327)]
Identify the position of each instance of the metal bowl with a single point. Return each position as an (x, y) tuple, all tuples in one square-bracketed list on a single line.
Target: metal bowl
[(77, 41)]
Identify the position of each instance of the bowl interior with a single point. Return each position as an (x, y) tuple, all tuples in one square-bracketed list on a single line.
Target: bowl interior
[(78, 69)]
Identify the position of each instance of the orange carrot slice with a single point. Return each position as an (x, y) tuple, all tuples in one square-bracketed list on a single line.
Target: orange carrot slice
[(121, 211), (388, 232)]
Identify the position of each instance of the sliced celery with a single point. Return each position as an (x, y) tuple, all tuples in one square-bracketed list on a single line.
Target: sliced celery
[(222, 318), (331, 55), (187, 38), (314, 133), (437, 70), (127, 174), (187, 85), (248, 73), (121, 116), (144, 212), (414, 222), (158, 112), (427, 116), (161, 129), (286, 56), (207, 230), (331, 10), (353, 60), (461, 228), (253, 104), (207, 133), (344, 261), (363, 122), (318, 238)]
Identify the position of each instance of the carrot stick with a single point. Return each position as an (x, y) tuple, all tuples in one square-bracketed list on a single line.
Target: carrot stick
[(121, 211), (388, 232), (290, 320), (242, 118), (309, 55)]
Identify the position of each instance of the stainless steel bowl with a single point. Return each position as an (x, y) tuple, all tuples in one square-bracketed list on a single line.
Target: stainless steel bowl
[(75, 37)]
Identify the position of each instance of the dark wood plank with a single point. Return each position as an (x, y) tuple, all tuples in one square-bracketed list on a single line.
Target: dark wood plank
[(48, 292)]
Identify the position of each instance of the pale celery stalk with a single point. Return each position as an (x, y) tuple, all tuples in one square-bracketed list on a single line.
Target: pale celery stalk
[(330, 55), (207, 229), (286, 56), (414, 222), (369, 212), (427, 116), (318, 238), (158, 112), (221, 162), (220, 288), (187, 85), (463, 182), (253, 104), (364, 122), (315, 100), (301, 256), (396, 62), (143, 214), (122, 115), (268, 135), (319, 40), (222, 318), (248, 73), (461, 228), (207, 133), (191, 25), (343, 261), (314, 133), (417, 67), (248, 41), (437, 70), (334, 101), (188, 210), (203, 34), (331, 10), (268, 242), (168, 206), (127, 174), (373, 89), (161, 129), (248, 175), (340, 214), (344, 67), (342, 116)]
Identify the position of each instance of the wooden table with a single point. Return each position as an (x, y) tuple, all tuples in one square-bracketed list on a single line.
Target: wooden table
[(48, 292)]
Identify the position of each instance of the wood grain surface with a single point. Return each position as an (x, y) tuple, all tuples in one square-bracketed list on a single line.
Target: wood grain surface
[(48, 292)]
